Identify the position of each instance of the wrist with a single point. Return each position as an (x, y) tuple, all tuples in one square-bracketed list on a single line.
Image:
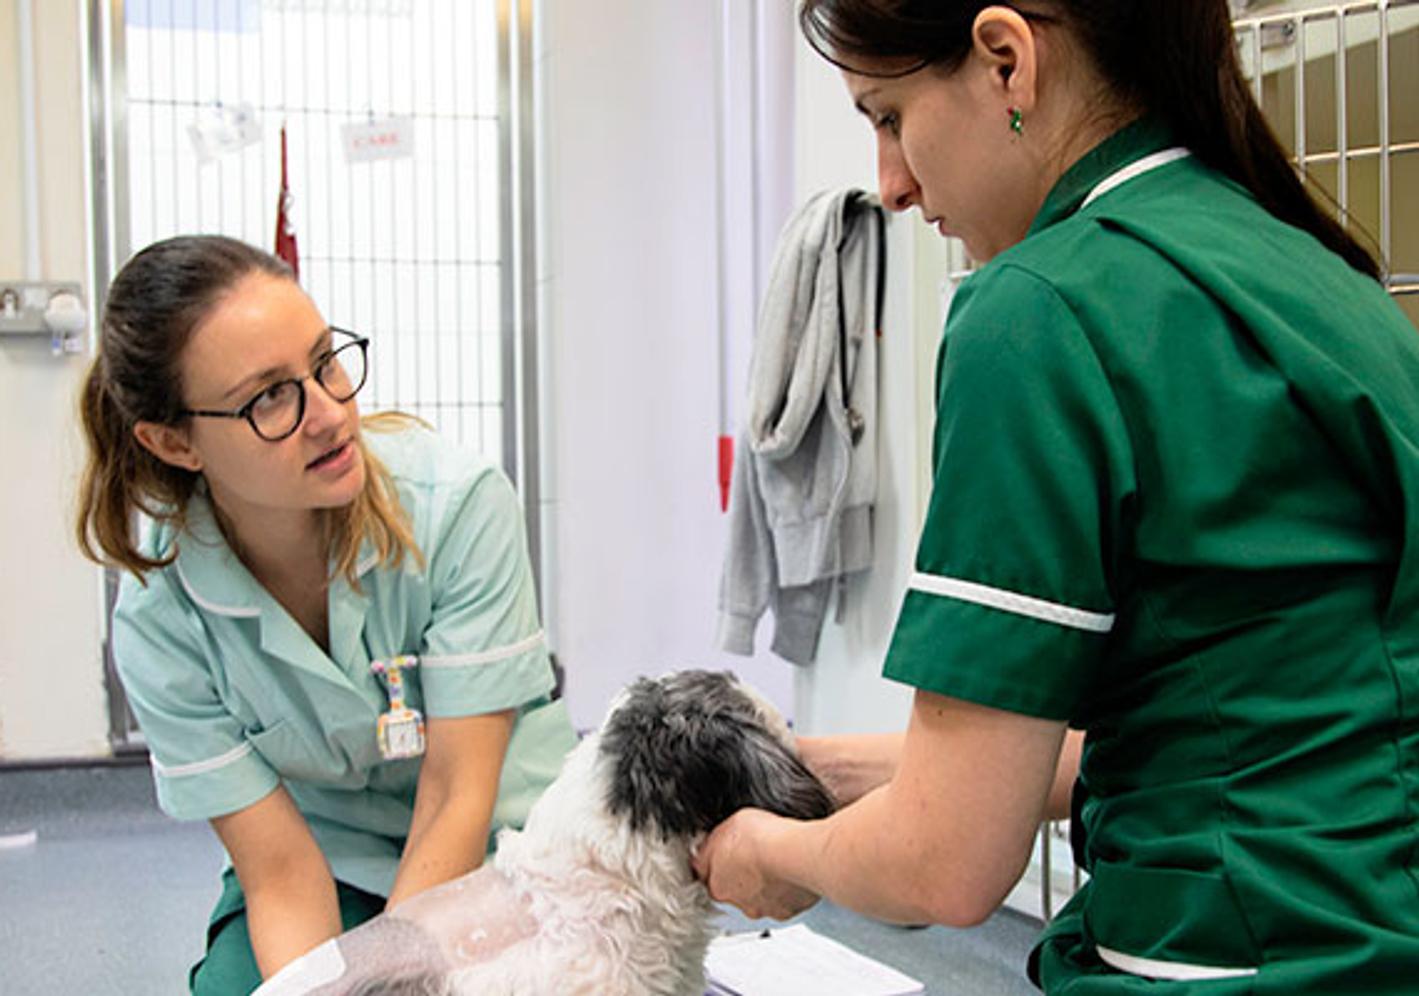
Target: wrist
[(787, 851)]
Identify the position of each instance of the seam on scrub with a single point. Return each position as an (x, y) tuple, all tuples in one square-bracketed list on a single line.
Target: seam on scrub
[(485, 656), (1406, 796), (1012, 602), (1104, 372), (201, 767), (1181, 971), (1222, 800)]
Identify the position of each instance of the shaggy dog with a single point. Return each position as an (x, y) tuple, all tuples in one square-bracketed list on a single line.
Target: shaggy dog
[(595, 895)]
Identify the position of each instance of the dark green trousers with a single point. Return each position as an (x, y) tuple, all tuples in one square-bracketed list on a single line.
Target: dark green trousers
[(229, 966)]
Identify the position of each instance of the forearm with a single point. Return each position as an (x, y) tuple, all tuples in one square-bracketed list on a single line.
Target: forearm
[(448, 838), (453, 805), (943, 841), (290, 913), (1065, 774), (854, 764), (291, 905), (874, 858)]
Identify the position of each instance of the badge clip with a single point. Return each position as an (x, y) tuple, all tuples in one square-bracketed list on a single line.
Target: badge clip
[(400, 731)]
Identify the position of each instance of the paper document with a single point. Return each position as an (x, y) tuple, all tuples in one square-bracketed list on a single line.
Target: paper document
[(794, 961)]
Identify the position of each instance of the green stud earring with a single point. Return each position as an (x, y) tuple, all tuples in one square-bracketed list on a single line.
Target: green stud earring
[(1017, 120)]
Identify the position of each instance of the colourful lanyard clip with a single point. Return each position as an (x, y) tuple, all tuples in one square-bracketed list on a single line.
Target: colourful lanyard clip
[(400, 731)]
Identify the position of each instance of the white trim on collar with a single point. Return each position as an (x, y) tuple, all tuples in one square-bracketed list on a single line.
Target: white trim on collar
[(238, 611), (486, 656), (1133, 170), (1181, 971), (1010, 601)]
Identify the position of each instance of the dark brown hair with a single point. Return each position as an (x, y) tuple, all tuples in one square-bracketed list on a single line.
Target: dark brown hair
[(1176, 59), (154, 304)]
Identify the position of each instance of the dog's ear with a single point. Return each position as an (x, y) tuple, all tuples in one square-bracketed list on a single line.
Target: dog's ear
[(689, 750)]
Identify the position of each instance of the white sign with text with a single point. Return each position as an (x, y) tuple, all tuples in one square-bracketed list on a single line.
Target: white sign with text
[(379, 138)]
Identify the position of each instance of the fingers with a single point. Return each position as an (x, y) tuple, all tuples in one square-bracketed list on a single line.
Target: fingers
[(727, 863)]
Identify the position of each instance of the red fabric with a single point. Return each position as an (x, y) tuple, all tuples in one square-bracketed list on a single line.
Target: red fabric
[(285, 226)]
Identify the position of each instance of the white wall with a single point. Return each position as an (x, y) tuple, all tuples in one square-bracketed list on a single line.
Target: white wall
[(844, 690), (52, 702), (632, 528)]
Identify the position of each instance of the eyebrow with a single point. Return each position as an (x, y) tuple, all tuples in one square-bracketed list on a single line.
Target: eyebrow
[(322, 343)]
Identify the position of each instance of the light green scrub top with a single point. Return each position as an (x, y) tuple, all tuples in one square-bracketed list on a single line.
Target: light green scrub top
[(1176, 503), (234, 697)]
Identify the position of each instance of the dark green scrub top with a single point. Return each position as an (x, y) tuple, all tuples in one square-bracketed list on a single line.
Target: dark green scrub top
[(1176, 503)]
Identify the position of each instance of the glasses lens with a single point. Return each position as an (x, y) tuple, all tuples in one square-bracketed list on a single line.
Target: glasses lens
[(278, 409), (343, 373)]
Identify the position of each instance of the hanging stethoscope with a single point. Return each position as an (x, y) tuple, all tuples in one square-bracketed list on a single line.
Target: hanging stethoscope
[(856, 422)]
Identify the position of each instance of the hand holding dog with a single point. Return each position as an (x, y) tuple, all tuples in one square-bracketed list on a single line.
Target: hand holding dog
[(732, 862)]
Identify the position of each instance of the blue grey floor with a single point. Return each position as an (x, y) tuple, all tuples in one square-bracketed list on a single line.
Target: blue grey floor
[(113, 898)]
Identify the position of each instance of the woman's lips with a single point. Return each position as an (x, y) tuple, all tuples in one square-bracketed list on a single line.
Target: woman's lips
[(333, 460)]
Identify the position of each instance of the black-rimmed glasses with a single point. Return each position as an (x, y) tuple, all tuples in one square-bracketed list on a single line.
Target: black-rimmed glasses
[(277, 411)]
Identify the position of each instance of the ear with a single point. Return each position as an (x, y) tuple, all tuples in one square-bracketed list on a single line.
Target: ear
[(169, 444), (1004, 42), (770, 776), (688, 752)]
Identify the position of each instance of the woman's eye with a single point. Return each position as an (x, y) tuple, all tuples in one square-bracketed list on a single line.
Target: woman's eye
[(890, 123), (275, 396)]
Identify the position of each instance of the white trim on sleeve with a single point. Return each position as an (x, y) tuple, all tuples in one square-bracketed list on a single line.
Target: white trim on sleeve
[(1009, 601), (1180, 971), (484, 656), (202, 767)]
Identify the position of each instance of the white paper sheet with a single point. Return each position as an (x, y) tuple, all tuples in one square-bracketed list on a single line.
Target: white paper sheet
[(795, 960)]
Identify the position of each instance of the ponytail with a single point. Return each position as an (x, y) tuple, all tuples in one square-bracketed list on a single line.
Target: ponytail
[(1178, 59), (119, 479)]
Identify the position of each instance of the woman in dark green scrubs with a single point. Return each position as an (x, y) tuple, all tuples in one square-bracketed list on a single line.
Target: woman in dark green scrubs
[(1175, 506)]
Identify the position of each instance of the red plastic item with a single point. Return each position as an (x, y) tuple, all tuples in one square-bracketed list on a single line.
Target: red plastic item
[(726, 470), (285, 224)]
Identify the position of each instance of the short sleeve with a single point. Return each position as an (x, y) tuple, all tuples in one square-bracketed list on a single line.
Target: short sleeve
[(484, 649), (1013, 597), (203, 764)]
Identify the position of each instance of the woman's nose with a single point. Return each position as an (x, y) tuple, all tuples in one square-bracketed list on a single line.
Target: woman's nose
[(322, 412), (895, 183)]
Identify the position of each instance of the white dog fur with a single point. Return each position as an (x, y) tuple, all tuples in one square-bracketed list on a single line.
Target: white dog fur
[(595, 895)]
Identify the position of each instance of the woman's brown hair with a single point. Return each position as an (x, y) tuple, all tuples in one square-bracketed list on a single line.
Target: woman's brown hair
[(159, 297), (1175, 58)]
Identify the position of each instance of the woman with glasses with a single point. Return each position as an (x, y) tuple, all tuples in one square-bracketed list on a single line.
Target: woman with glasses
[(1175, 505), (327, 629)]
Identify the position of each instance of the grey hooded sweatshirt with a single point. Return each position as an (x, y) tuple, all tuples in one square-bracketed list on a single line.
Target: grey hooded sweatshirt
[(805, 473)]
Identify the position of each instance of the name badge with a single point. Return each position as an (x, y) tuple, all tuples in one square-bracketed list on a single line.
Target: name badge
[(400, 731)]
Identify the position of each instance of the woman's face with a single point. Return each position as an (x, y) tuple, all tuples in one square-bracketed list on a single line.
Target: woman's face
[(264, 330), (944, 146)]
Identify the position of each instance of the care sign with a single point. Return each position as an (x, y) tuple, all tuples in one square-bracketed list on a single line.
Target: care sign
[(379, 138)]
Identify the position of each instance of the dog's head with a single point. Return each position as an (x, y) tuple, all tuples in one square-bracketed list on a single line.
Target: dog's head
[(687, 750)]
